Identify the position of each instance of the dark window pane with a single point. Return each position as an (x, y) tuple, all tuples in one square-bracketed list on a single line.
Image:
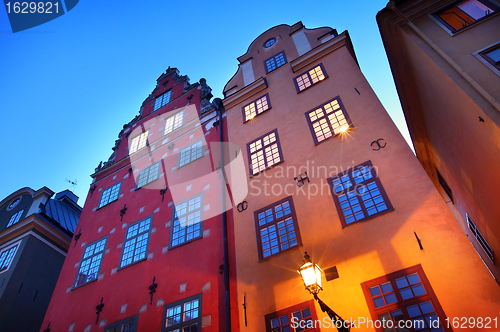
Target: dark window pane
[(426, 307), (390, 298), (401, 282), (413, 279), (387, 287), (418, 290), (374, 291), (378, 302), (406, 293), (413, 310)]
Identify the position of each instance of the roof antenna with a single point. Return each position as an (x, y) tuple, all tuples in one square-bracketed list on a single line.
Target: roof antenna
[(73, 184)]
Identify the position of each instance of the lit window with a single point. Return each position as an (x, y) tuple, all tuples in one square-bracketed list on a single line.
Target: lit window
[(6, 256), (404, 295), (162, 100), (15, 218), (264, 152), (148, 175), (303, 315), (256, 107), (174, 122), (480, 239), (187, 222), (139, 142), (125, 325), (312, 76), (91, 262), (190, 153), (184, 315), (136, 242), (276, 61), (110, 194), (464, 13), (328, 120), (492, 56), (358, 194), (277, 228)]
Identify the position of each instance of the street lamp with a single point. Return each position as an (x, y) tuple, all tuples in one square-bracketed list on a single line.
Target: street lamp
[(311, 275)]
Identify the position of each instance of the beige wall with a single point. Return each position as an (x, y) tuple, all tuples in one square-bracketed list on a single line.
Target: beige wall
[(442, 109), (361, 251)]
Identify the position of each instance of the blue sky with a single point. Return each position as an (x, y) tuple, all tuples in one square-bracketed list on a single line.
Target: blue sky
[(68, 86)]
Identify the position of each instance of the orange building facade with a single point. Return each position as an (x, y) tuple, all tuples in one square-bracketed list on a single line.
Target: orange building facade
[(329, 174), (445, 59)]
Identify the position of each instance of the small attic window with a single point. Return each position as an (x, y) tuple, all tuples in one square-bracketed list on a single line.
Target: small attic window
[(270, 42)]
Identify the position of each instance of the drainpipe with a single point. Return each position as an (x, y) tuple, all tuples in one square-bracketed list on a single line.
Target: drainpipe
[(220, 109), (391, 5)]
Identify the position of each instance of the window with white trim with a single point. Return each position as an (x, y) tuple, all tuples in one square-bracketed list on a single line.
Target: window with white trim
[(190, 153), (275, 62), (6, 256), (136, 242), (187, 221), (464, 13), (256, 107), (328, 120), (184, 315), (148, 175), (162, 100), (264, 152), (310, 77), (110, 194), (480, 239), (492, 55), (14, 219), (138, 142), (90, 263), (174, 122)]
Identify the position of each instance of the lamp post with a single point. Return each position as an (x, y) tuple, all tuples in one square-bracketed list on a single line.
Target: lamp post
[(311, 275)]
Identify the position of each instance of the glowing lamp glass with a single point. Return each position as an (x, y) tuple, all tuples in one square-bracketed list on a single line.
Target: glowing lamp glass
[(311, 275), (343, 129)]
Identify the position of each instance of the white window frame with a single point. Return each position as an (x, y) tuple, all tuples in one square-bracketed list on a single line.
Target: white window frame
[(147, 174), (174, 122), (110, 194), (92, 260), (14, 219), (191, 152), (139, 142), (264, 152), (162, 100), (7, 248), (183, 214), (138, 232)]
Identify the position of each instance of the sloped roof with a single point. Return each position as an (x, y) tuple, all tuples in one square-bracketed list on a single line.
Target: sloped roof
[(64, 211)]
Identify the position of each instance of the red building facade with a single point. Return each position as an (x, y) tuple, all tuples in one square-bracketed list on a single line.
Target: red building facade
[(150, 241)]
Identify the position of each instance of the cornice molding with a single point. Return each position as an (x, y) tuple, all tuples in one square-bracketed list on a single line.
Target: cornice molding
[(245, 93), (38, 225), (320, 51)]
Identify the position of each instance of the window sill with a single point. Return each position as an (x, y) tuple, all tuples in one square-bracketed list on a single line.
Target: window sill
[(256, 174), (470, 26), (282, 251), (191, 161), (88, 282), (186, 242), (133, 263), (106, 204)]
